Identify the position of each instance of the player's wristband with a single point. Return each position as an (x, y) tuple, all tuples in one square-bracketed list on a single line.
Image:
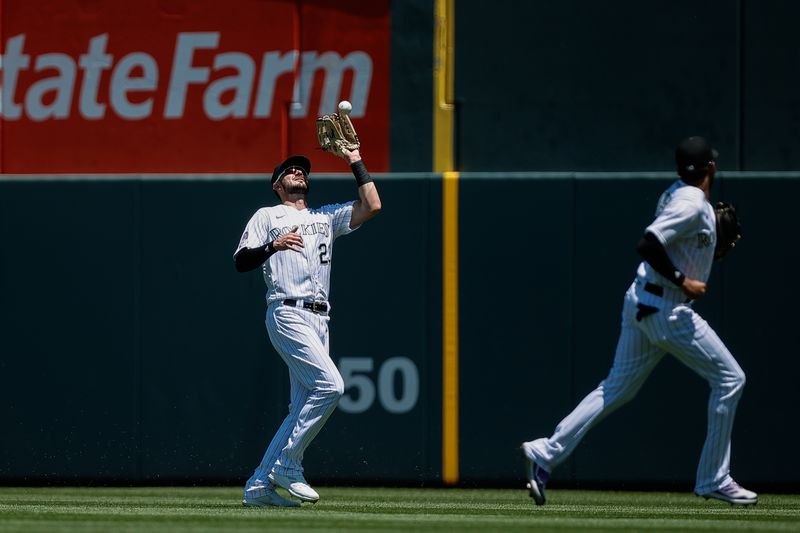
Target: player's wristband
[(360, 172), (270, 248)]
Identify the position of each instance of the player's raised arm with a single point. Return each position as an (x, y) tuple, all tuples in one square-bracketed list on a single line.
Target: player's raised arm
[(369, 203), (337, 135)]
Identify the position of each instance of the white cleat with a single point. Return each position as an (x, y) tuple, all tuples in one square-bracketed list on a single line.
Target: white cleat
[(266, 497), (733, 493), (297, 486)]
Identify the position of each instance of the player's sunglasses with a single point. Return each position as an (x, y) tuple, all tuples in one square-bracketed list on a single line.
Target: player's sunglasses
[(293, 170)]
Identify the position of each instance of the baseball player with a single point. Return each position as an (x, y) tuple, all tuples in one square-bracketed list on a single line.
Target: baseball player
[(293, 245), (657, 317)]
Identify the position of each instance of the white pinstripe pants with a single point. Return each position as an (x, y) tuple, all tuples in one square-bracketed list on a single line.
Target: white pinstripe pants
[(676, 329), (301, 339)]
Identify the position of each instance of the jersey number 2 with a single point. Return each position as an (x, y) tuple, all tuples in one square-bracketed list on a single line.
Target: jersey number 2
[(324, 258)]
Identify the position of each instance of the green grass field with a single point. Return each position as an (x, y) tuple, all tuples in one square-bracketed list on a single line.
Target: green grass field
[(163, 509)]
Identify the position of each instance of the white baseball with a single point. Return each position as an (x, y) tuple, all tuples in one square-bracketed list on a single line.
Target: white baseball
[(345, 107)]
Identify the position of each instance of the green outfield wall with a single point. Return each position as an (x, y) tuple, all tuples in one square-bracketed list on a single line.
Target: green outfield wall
[(605, 86), (132, 351)]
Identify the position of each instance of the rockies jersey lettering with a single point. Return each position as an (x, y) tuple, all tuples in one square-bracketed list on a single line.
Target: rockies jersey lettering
[(304, 229), (303, 275)]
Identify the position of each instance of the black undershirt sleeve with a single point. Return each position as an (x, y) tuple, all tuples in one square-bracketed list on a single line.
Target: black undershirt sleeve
[(651, 249), (248, 259)]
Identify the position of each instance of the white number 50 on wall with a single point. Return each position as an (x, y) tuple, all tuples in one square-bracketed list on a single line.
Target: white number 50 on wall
[(354, 371)]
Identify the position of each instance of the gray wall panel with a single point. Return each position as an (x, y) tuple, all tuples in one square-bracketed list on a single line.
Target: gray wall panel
[(69, 381), (771, 101), (578, 85), (516, 329)]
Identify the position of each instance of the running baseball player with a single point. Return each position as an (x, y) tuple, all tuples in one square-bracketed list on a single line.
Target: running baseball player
[(657, 317), (293, 245)]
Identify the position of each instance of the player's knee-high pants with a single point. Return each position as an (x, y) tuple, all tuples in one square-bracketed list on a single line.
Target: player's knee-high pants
[(301, 339), (678, 330)]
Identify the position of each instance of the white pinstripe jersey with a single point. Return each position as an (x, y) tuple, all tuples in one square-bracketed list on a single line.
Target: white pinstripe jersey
[(686, 225), (304, 275)]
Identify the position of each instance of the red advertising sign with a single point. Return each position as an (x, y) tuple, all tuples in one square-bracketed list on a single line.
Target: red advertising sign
[(197, 86)]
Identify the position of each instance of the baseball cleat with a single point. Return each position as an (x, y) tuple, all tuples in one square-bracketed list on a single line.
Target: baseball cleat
[(297, 486), (733, 493), (536, 475), (266, 497)]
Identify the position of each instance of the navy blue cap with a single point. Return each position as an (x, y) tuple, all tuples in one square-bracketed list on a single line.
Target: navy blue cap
[(693, 154), (293, 161)]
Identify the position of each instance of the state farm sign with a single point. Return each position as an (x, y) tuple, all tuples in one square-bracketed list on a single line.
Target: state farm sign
[(251, 88), (159, 96)]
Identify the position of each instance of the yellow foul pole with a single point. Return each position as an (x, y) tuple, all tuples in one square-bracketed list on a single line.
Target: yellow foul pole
[(443, 111)]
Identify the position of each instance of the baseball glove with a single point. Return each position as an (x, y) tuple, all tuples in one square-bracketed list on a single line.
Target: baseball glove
[(336, 134), (729, 230)]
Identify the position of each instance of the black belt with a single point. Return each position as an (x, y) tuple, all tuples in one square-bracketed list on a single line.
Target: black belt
[(652, 288), (644, 311), (315, 307)]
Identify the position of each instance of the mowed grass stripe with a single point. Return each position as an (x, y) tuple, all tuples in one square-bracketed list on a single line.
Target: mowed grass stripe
[(354, 522), (364, 509), (284, 520), (588, 511)]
